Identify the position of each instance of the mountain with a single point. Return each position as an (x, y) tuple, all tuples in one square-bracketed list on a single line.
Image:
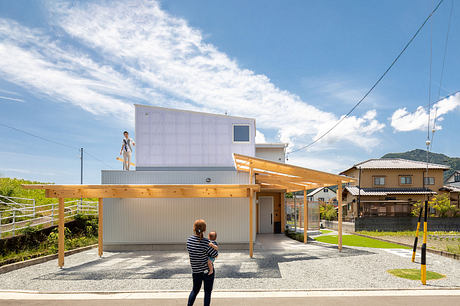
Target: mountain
[(436, 158)]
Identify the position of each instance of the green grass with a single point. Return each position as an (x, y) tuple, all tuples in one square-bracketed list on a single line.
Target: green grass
[(353, 240), (414, 274), (326, 231), (404, 233)]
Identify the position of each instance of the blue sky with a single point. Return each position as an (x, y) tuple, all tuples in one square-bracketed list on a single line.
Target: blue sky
[(71, 72)]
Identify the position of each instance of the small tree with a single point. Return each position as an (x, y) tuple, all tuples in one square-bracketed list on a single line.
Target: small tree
[(416, 208), (441, 203), (327, 211)]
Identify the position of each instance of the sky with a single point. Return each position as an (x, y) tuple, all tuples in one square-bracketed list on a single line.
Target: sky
[(70, 73)]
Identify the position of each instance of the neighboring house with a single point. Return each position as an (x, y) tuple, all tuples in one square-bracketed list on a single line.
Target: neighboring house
[(390, 186), (322, 194), (185, 149), (452, 186), (454, 179)]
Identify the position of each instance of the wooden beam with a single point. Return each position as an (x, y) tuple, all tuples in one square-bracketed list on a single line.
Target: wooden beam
[(100, 233), (305, 217), (61, 234), (139, 186), (312, 175), (283, 212), (151, 193), (251, 218), (339, 202)]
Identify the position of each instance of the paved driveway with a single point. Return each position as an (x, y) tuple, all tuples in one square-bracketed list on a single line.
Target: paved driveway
[(279, 263)]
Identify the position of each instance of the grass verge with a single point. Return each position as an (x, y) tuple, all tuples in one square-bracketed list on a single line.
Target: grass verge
[(325, 231), (414, 274), (353, 240)]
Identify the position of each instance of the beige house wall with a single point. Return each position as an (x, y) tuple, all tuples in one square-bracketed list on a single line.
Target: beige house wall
[(392, 178)]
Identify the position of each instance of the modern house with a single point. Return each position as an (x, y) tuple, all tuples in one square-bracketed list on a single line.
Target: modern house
[(187, 148), (390, 186)]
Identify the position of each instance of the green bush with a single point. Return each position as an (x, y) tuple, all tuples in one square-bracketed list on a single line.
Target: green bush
[(328, 212)]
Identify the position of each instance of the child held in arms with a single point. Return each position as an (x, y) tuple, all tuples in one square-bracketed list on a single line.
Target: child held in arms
[(212, 238)]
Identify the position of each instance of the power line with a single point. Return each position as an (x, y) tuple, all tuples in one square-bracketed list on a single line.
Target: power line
[(375, 84), (54, 142), (442, 70)]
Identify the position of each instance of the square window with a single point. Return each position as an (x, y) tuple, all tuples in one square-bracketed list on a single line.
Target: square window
[(406, 180), (429, 180), (379, 180), (241, 133)]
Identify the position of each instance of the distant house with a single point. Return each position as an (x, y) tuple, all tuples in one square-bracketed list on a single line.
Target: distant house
[(390, 186), (322, 194), (454, 179), (452, 186)]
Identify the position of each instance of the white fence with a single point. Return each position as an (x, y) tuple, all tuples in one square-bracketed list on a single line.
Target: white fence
[(17, 214)]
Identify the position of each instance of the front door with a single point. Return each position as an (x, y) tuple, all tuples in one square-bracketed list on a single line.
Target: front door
[(265, 215)]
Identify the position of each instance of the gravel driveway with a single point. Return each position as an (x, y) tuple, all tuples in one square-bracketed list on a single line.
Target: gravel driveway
[(278, 263)]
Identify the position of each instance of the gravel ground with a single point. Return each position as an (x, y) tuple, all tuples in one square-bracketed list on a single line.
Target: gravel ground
[(278, 263)]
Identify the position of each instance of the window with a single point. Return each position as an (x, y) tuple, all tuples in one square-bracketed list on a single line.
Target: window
[(321, 199), (240, 133), (429, 180), (379, 180), (326, 190), (405, 180), (457, 177)]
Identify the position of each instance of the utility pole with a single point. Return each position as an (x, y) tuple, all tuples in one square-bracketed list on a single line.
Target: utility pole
[(81, 173), (359, 190)]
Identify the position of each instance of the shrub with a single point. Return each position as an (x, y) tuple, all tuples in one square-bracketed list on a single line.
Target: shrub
[(327, 211)]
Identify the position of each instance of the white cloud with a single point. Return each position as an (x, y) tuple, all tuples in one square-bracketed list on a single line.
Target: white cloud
[(404, 121), (260, 137), (11, 99), (135, 52)]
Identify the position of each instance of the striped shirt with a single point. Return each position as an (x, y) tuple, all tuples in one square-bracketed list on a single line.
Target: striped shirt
[(199, 251)]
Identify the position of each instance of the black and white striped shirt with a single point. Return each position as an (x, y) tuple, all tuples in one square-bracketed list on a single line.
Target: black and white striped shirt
[(199, 251)]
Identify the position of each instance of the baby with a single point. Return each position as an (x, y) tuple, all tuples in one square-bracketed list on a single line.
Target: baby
[(212, 237)]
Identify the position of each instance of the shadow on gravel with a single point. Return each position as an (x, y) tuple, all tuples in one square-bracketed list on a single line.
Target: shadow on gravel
[(174, 265)]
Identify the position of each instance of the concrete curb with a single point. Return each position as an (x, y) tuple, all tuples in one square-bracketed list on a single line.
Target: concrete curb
[(442, 253), (453, 289), (39, 260)]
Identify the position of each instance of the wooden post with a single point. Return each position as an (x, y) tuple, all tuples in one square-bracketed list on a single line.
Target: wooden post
[(283, 213), (305, 216), (61, 243), (99, 230), (251, 217), (339, 202)]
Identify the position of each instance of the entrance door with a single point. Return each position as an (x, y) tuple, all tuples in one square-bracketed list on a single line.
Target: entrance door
[(265, 215)]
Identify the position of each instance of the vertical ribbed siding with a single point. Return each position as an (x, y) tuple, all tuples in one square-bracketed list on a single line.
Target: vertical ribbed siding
[(159, 221)]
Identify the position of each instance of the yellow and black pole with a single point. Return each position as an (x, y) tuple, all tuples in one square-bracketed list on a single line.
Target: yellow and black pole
[(416, 233), (425, 229)]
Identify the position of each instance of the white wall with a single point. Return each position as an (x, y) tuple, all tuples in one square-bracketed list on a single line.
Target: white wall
[(273, 154), (169, 221), (176, 138)]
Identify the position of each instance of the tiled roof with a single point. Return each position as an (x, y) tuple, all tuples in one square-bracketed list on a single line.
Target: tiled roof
[(451, 188), (396, 163), (354, 190)]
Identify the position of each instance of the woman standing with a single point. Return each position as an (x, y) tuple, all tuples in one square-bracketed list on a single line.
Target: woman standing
[(199, 250)]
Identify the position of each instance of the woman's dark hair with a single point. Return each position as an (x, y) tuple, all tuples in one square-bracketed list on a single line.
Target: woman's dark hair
[(199, 227), (125, 132)]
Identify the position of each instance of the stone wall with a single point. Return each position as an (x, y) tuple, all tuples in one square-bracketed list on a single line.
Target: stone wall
[(346, 226), (393, 224)]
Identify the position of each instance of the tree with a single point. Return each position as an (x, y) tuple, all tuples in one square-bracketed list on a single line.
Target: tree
[(327, 211), (441, 203), (416, 208)]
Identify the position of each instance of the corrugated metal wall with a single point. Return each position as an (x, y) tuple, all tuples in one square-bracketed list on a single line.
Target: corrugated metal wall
[(162, 221)]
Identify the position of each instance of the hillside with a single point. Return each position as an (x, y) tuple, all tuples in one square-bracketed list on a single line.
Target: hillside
[(437, 158)]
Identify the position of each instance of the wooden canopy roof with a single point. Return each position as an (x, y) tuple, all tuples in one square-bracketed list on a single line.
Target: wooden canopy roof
[(146, 191), (274, 175)]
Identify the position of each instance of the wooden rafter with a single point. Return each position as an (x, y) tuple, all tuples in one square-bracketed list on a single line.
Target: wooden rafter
[(146, 191)]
